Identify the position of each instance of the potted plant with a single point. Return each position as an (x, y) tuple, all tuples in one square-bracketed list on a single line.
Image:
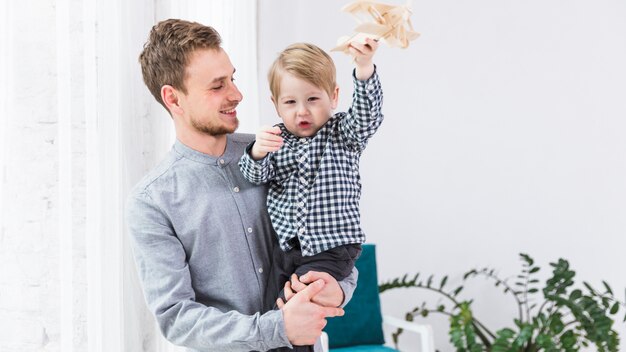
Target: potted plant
[(555, 316)]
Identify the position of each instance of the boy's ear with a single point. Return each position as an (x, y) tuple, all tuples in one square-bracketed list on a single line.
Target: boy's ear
[(169, 95), (275, 105), (335, 98)]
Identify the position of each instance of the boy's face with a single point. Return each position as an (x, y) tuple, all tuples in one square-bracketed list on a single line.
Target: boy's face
[(303, 107)]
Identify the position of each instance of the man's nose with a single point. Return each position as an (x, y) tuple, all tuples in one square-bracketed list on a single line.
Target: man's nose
[(234, 93)]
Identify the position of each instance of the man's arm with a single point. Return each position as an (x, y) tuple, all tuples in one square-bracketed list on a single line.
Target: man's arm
[(163, 270), (304, 320)]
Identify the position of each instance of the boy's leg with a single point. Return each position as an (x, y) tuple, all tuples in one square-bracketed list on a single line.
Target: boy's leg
[(280, 272), (338, 261), (284, 264)]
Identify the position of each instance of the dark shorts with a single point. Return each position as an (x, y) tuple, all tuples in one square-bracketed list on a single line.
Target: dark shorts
[(338, 262)]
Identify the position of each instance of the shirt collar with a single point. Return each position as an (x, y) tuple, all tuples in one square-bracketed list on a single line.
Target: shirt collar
[(229, 155), (290, 139)]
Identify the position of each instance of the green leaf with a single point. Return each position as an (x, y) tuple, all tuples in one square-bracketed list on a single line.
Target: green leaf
[(527, 258), (615, 308), (534, 270), (457, 291), (443, 282), (607, 287), (469, 273), (576, 294)]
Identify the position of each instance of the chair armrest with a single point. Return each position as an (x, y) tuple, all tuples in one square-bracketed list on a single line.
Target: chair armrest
[(324, 339), (425, 331)]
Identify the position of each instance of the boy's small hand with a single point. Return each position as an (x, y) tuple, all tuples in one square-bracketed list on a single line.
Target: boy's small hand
[(268, 140), (363, 57)]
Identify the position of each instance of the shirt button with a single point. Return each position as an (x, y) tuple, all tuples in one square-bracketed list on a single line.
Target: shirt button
[(304, 140), (370, 87), (236, 189), (249, 229), (301, 230), (222, 161), (302, 180), (261, 270), (302, 159), (301, 204)]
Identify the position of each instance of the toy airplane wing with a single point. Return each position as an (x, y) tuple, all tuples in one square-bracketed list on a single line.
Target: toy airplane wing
[(376, 30), (362, 7), (344, 42), (382, 21)]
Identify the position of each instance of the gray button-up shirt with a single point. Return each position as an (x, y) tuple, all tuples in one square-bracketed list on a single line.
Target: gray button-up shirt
[(202, 242)]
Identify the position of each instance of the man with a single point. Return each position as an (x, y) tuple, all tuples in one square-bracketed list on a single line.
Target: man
[(201, 235)]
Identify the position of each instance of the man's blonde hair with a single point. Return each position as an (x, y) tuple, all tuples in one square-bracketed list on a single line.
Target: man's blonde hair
[(305, 61), (167, 52)]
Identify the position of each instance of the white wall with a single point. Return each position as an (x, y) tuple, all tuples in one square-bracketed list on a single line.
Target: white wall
[(503, 134), (32, 280)]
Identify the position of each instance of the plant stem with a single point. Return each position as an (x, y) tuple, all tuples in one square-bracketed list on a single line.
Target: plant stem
[(482, 326), (481, 335), (519, 303)]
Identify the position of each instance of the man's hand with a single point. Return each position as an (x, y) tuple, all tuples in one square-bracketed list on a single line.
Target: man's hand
[(304, 320), (268, 140), (330, 296), (363, 55)]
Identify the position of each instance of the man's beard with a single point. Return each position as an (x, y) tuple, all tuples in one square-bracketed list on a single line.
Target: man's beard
[(213, 129)]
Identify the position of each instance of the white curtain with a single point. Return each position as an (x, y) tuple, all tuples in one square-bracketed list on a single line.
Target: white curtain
[(78, 129), (127, 134)]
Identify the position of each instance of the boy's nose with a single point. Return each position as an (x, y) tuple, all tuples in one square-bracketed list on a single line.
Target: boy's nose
[(302, 109)]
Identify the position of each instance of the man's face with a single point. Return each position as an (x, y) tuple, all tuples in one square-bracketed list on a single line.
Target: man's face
[(212, 96), (303, 107)]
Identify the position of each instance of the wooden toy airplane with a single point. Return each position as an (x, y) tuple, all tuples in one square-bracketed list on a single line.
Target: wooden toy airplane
[(390, 24)]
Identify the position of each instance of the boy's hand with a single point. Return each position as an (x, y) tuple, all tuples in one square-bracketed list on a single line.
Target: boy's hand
[(363, 55), (268, 140)]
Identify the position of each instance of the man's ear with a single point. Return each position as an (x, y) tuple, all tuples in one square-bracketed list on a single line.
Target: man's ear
[(334, 100), (170, 97)]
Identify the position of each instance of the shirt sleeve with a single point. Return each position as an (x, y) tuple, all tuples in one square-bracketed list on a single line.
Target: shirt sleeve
[(365, 114), (166, 281), (257, 172), (348, 285)]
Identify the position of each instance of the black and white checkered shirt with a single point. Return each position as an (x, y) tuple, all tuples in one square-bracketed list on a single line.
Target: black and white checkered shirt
[(315, 185)]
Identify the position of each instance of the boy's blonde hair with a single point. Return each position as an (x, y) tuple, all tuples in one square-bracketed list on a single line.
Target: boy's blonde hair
[(305, 61)]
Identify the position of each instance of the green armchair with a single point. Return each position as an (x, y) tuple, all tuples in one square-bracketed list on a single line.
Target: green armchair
[(360, 329)]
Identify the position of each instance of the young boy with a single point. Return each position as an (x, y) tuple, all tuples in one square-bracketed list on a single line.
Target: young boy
[(311, 160)]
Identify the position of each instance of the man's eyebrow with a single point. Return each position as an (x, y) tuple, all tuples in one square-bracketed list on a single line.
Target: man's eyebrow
[(218, 79)]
